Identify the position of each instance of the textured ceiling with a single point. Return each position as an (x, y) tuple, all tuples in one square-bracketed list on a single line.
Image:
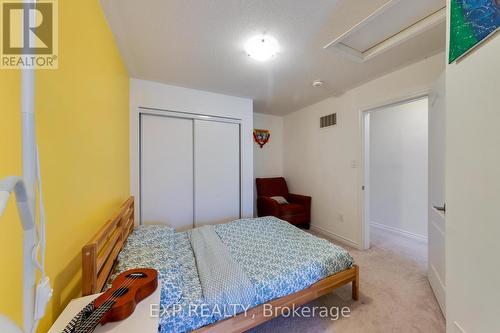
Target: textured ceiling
[(199, 44)]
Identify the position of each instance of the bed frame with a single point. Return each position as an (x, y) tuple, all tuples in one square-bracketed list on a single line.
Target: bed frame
[(99, 255), (99, 258)]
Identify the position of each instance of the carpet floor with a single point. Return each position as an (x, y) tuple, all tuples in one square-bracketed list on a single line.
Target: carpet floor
[(395, 294)]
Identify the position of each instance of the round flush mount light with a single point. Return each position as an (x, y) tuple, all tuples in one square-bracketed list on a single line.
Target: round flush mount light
[(318, 84), (262, 47)]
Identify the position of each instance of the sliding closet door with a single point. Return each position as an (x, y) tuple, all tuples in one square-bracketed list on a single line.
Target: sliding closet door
[(217, 172), (167, 171)]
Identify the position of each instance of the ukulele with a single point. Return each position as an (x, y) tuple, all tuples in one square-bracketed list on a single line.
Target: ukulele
[(118, 302)]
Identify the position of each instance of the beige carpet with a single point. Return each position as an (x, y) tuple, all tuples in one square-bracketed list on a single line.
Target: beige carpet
[(395, 294)]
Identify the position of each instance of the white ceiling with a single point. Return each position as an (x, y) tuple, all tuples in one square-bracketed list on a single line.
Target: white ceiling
[(199, 44)]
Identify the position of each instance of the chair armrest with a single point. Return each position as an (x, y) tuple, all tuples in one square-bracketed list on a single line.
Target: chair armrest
[(300, 199), (304, 201), (267, 207)]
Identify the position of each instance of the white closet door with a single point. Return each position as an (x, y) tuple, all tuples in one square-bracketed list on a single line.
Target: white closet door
[(217, 172), (167, 171)]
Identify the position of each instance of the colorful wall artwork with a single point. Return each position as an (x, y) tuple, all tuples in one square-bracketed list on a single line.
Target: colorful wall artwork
[(261, 136), (471, 22)]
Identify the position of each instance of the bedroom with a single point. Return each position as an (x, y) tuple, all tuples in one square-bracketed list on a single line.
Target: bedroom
[(159, 100)]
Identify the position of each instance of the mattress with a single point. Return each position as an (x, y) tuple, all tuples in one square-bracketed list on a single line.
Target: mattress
[(278, 258)]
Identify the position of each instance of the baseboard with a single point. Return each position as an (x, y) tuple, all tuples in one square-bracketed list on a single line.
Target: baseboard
[(400, 232), (458, 328), (438, 287), (335, 237)]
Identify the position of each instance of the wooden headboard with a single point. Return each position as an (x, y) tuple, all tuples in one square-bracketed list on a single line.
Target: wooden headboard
[(99, 255)]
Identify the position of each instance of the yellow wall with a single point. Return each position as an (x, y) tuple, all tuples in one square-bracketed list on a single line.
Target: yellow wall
[(82, 130)]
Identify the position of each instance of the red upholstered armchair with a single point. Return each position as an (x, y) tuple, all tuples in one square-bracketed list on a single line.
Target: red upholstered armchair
[(297, 211)]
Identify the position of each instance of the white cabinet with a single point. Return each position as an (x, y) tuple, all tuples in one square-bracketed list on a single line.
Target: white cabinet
[(189, 170)]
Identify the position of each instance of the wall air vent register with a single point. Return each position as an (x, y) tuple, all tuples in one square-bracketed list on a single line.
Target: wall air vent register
[(328, 120)]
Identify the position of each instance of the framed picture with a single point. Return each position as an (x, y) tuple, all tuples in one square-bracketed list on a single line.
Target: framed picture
[(471, 22)]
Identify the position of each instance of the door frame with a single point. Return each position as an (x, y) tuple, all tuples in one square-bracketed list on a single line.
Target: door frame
[(136, 158), (364, 175)]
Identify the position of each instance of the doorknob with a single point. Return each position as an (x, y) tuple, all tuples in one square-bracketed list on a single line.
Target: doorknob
[(441, 209)]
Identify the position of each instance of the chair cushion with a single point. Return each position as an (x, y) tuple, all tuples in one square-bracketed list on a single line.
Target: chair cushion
[(291, 209), (280, 200)]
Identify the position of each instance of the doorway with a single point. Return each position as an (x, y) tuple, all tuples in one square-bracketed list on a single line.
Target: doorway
[(433, 108), (396, 170)]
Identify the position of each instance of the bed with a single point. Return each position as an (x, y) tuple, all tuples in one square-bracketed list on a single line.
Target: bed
[(268, 262)]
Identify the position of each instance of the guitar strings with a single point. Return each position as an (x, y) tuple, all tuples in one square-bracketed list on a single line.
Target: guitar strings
[(124, 285), (91, 325), (128, 282)]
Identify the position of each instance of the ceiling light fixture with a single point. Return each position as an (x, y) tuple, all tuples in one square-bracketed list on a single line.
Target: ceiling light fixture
[(262, 47), (318, 84)]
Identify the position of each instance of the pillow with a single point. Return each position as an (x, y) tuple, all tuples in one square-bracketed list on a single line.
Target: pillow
[(280, 200)]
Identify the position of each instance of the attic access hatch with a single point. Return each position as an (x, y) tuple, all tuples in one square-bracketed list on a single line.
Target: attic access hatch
[(390, 25)]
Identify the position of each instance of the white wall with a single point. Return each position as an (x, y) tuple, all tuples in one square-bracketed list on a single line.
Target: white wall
[(325, 163), (398, 167), (172, 98), (473, 191), (268, 161)]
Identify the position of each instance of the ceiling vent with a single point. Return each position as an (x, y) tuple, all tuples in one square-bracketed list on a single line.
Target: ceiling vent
[(327, 121), (390, 25)]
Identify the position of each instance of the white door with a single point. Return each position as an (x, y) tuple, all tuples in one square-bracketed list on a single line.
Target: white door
[(217, 172), (437, 229), (166, 171)]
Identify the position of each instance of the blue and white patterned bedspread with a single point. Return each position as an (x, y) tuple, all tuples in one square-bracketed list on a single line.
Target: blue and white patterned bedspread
[(278, 258)]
